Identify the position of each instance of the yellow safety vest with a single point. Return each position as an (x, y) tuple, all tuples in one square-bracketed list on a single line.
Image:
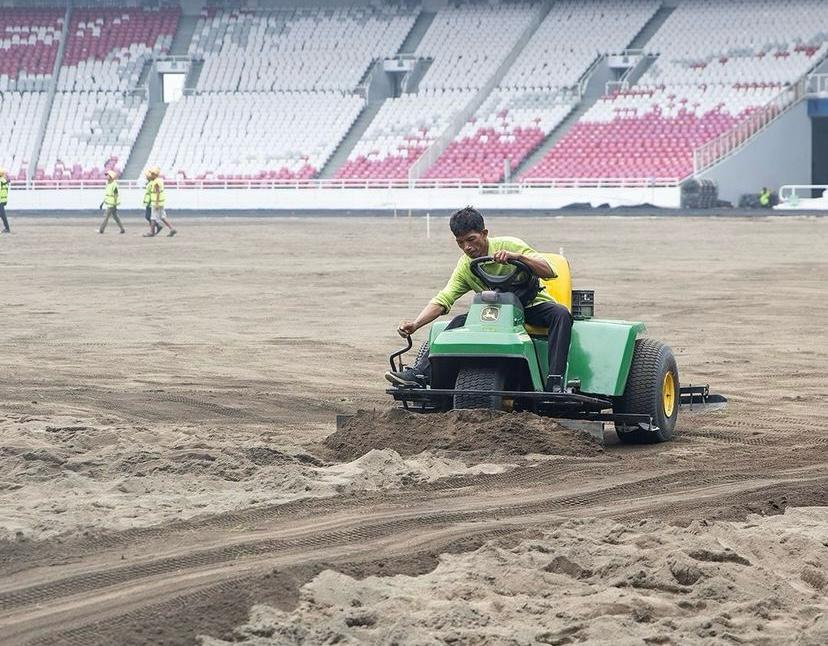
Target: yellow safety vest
[(158, 199), (148, 194), (4, 190), (111, 197), (764, 199)]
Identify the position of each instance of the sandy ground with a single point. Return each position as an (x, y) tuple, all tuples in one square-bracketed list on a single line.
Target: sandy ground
[(594, 581), (165, 405)]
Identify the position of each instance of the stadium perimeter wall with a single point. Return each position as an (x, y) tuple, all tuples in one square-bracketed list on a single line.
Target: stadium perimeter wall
[(349, 199)]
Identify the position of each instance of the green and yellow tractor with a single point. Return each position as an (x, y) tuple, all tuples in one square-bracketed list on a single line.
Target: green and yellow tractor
[(496, 361)]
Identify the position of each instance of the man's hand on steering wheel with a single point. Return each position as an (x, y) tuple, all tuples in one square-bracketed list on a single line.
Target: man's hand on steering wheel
[(503, 256)]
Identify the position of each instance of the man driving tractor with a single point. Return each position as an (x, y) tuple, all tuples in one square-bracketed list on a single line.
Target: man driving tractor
[(541, 310)]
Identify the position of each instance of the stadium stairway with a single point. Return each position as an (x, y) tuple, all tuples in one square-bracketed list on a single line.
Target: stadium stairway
[(51, 98), (418, 30), (139, 156), (651, 27), (141, 149), (596, 86), (340, 155), (594, 90), (642, 38), (191, 81), (183, 35), (433, 153), (411, 83), (145, 72)]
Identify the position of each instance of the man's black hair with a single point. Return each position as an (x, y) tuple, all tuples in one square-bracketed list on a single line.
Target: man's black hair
[(465, 221)]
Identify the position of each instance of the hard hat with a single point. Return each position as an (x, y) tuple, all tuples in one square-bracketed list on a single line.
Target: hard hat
[(111, 174), (2, 171), (155, 170), (148, 173)]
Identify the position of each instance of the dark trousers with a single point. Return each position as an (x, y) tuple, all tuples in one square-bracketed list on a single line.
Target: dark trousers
[(552, 315), (3, 217), (148, 213)]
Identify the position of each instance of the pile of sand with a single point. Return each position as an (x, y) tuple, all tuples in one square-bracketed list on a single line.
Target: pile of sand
[(62, 476), (484, 432), (763, 581)]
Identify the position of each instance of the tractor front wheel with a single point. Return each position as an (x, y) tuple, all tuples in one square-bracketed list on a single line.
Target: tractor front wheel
[(652, 389), (475, 378)]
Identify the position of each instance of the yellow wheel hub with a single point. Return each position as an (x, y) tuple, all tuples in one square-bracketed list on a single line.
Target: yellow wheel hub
[(668, 394)]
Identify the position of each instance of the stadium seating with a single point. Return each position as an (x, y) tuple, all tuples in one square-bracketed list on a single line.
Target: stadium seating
[(89, 133), (773, 44), (708, 78), (467, 44), (540, 88), (400, 132), (280, 88), (508, 126), (95, 117), (572, 36), (275, 96), (29, 40), (22, 113), (253, 136), (308, 49), (647, 133), (107, 49)]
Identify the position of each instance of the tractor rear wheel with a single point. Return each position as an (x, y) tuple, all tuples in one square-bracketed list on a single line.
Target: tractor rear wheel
[(476, 378), (652, 389)]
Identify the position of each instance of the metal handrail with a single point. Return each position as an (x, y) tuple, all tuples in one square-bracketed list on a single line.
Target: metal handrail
[(305, 184), (789, 191), (583, 81), (715, 150), (817, 85)]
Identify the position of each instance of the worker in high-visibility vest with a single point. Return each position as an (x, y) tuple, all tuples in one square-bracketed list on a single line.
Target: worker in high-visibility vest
[(765, 198), (158, 201), (4, 199), (148, 203), (111, 201)]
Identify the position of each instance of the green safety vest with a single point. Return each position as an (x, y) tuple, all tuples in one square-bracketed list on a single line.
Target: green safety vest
[(148, 194), (158, 199), (111, 197), (4, 190), (764, 199)]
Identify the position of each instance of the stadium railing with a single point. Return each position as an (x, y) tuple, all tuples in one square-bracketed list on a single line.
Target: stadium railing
[(715, 150), (317, 184), (817, 86)]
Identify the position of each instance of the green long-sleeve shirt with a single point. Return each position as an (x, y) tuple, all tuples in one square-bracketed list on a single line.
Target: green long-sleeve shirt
[(463, 281)]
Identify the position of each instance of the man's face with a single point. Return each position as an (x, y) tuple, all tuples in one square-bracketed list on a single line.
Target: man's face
[(475, 244)]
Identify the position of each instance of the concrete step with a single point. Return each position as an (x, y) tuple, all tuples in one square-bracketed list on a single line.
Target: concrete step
[(139, 157), (193, 75), (340, 155), (650, 28), (183, 35), (145, 71), (412, 80), (418, 30)]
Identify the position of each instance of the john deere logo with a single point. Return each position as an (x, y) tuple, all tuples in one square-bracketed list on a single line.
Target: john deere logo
[(490, 314)]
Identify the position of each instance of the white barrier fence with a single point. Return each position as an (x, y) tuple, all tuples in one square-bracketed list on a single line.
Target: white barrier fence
[(329, 184), (791, 197), (230, 195)]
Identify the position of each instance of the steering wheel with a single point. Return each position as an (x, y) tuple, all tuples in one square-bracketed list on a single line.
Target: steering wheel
[(519, 278)]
